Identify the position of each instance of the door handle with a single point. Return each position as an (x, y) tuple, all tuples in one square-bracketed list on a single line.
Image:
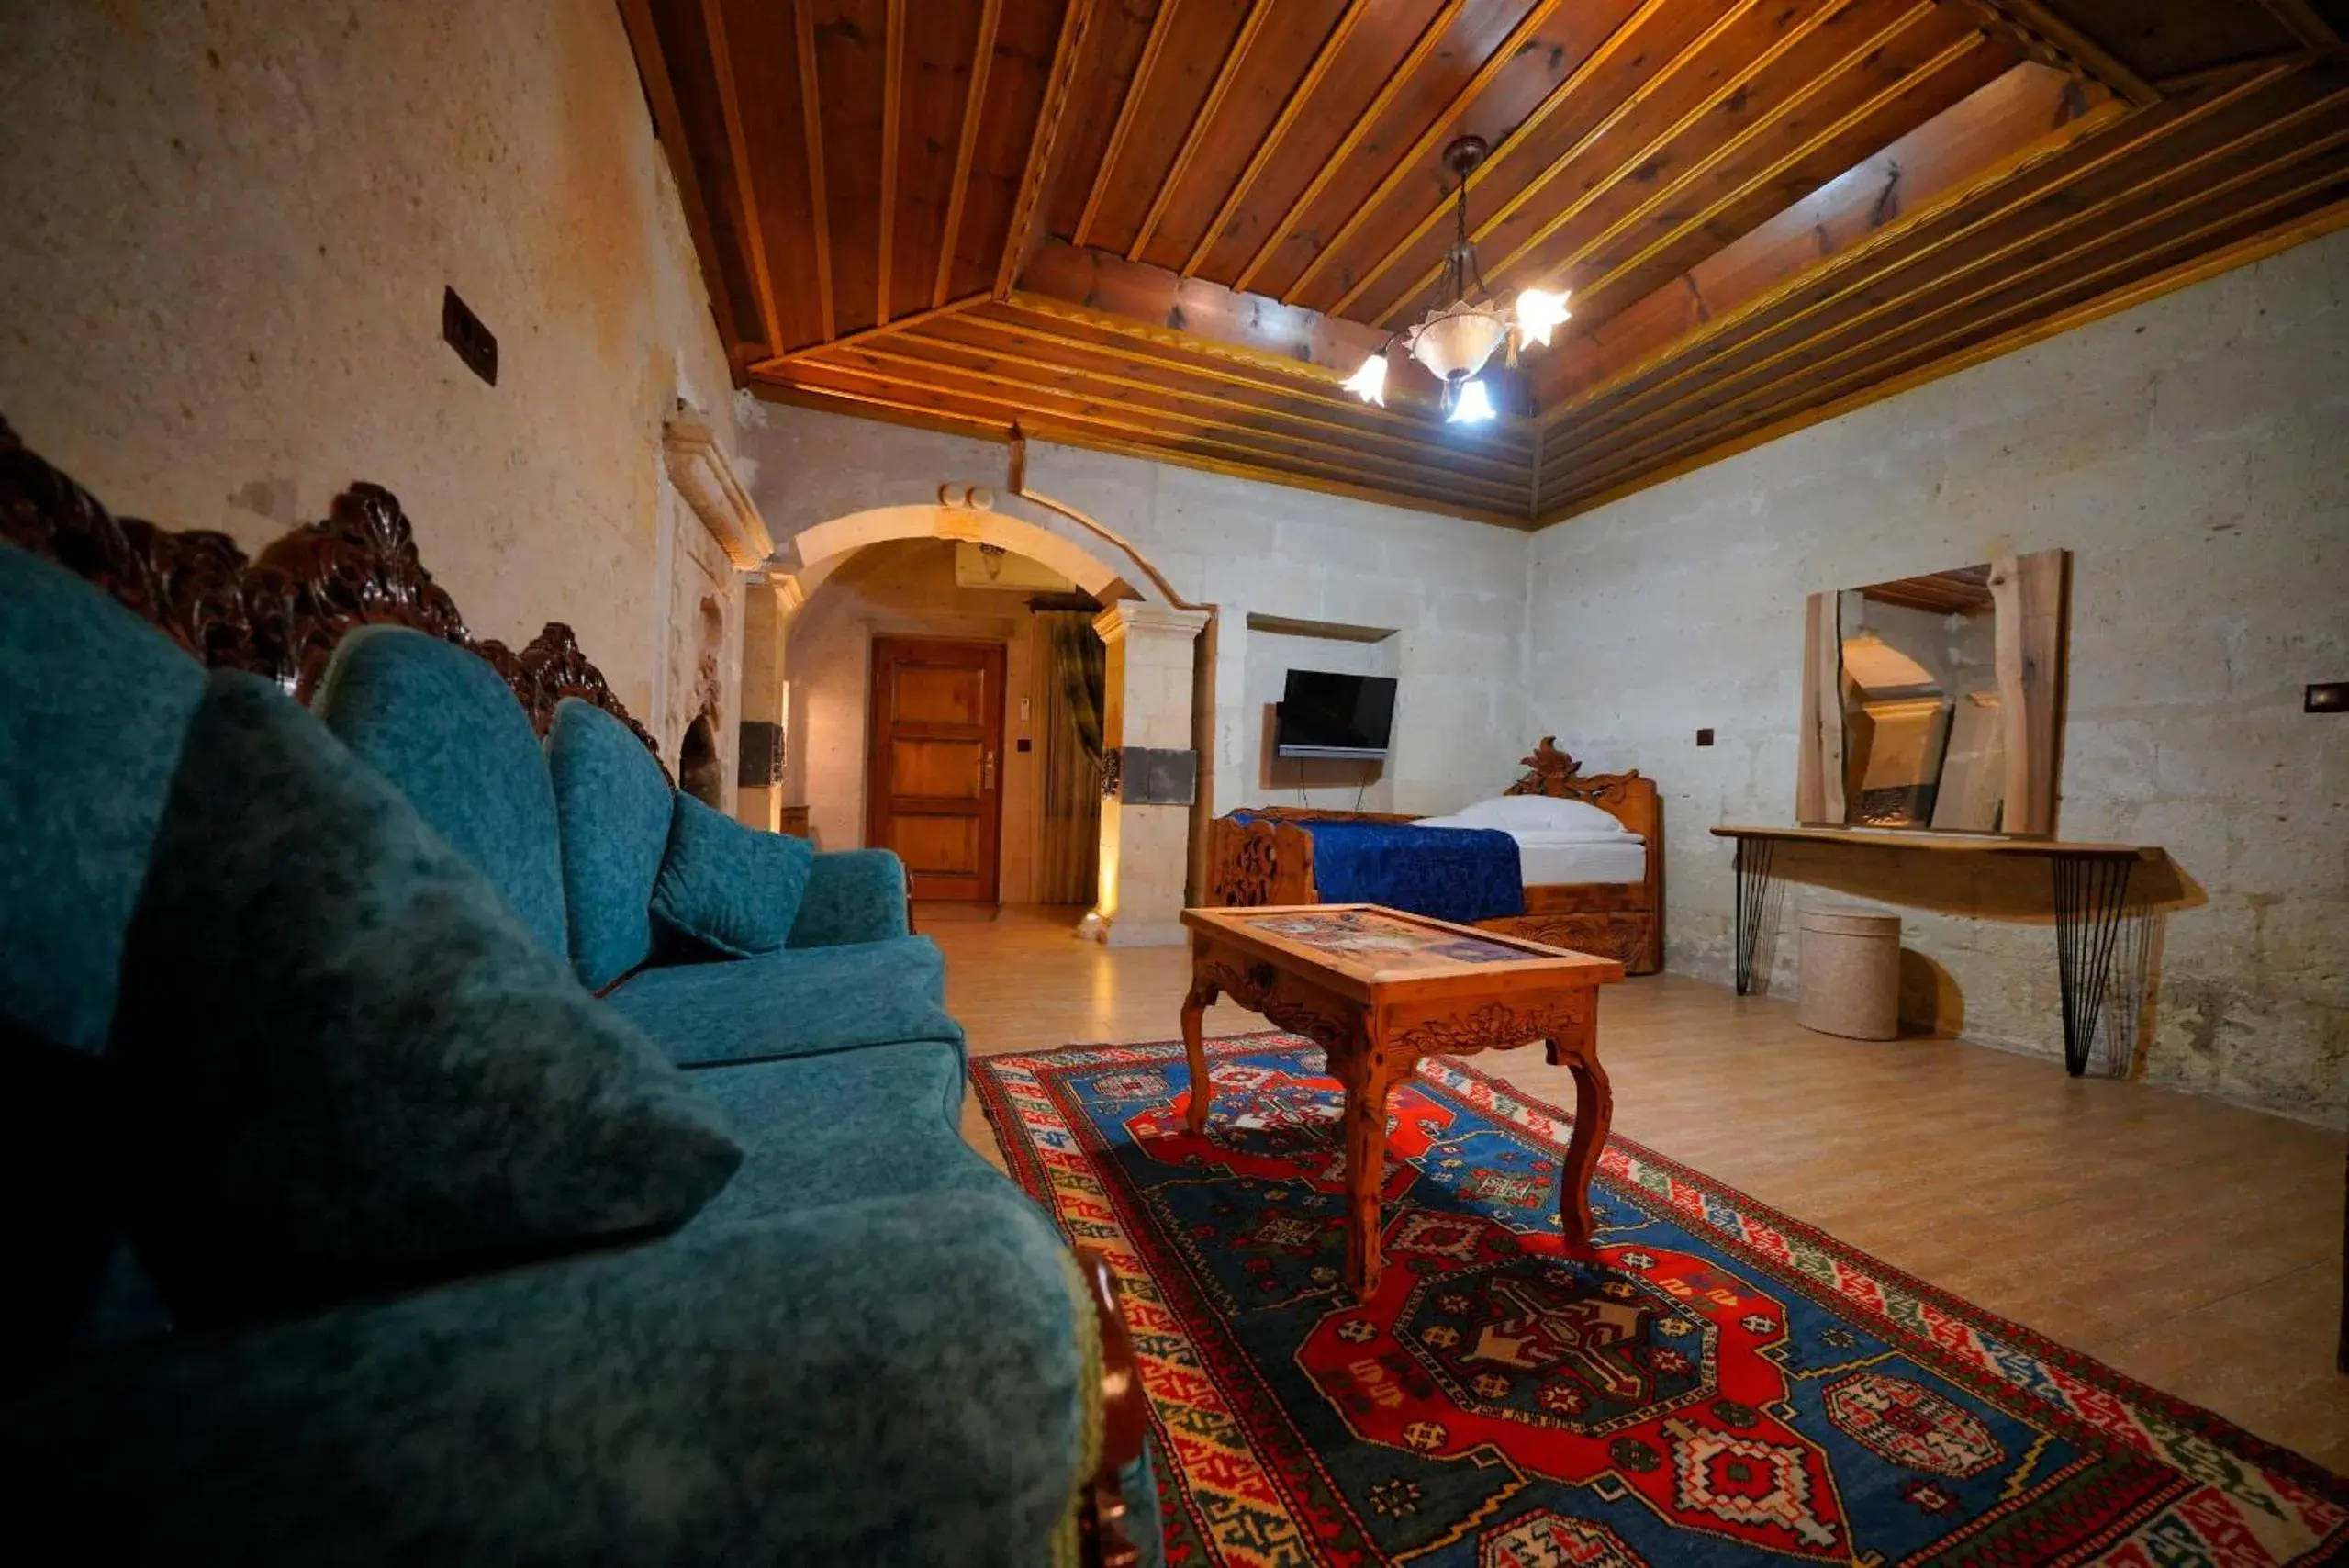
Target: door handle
[(986, 771)]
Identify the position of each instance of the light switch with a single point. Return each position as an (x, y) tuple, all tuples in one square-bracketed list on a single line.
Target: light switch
[(1023, 709)]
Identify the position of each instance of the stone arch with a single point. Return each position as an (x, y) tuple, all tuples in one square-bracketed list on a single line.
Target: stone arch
[(1146, 843), (815, 553)]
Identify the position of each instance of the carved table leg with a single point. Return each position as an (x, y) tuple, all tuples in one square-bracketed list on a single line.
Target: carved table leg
[(1194, 1045), (1368, 1075), (1593, 1114)]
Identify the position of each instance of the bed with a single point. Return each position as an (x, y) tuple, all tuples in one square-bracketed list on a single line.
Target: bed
[(1561, 874)]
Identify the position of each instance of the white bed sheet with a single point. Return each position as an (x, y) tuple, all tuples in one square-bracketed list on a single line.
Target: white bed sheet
[(1572, 855), (1543, 860)]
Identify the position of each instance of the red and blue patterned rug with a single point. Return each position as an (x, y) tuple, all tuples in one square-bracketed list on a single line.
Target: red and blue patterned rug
[(1712, 1383)]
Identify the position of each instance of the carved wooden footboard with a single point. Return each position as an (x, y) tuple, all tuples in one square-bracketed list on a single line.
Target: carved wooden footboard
[(1268, 858)]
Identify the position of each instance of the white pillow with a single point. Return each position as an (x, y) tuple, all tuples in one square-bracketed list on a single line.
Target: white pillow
[(1541, 812)]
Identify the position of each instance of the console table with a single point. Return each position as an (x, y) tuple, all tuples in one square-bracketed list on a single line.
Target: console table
[(2091, 896)]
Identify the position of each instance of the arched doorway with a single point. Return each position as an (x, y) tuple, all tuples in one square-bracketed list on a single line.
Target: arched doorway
[(1149, 684)]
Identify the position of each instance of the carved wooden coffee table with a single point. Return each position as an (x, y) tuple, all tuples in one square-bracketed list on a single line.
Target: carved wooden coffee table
[(1378, 990)]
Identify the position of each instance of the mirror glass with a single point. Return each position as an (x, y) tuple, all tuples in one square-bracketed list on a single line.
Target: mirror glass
[(1923, 745)]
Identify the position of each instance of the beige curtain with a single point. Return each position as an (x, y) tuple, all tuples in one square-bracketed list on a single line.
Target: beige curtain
[(1074, 672)]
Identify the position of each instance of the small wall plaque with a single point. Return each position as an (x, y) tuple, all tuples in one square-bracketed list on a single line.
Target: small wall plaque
[(760, 765), (1153, 776)]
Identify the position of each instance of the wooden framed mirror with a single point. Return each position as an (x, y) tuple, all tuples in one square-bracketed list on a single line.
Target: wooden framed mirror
[(1933, 703)]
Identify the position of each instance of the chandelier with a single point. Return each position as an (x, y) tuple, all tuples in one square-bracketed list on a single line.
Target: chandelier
[(1455, 341)]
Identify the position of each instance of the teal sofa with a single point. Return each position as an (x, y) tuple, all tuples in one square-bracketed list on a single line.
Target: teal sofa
[(868, 1349)]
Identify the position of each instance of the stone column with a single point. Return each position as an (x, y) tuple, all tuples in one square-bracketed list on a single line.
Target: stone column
[(1145, 733)]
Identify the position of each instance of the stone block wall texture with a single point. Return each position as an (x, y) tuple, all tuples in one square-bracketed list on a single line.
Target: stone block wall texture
[(1454, 590), (226, 228), (2193, 453)]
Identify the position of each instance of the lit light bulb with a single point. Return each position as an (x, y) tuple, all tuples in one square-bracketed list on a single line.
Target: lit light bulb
[(1539, 312), (1369, 383), (1472, 406)]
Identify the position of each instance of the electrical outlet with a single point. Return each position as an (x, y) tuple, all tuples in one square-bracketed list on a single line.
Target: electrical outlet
[(1704, 737), (464, 332)]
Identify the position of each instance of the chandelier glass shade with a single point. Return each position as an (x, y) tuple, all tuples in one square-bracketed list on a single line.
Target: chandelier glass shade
[(1456, 340)]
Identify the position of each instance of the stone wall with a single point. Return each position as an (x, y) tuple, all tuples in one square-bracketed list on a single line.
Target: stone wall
[(227, 231), (1454, 590), (2193, 453)]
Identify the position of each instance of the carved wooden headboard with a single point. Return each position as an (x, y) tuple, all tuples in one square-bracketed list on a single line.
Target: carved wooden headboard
[(281, 613), (1629, 797)]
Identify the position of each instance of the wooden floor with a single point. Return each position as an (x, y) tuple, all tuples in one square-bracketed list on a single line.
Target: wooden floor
[(2191, 1244)]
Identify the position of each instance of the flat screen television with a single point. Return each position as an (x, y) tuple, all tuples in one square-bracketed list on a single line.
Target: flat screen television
[(1326, 714)]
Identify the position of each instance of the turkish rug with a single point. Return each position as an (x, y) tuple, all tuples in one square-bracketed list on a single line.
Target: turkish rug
[(1711, 1381)]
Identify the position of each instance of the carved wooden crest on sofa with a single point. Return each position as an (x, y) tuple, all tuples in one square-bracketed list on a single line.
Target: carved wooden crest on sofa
[(281, 613)]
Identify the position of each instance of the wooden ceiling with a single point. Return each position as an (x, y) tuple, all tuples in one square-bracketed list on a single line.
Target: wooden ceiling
[(1170, 228)]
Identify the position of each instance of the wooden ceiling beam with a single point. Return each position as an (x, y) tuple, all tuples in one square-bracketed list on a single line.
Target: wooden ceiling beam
[(1131, 394), (2046, 36), (1430, 36), (1572, 86), (892, 111), (812, 118), (882, 329), (713, 22), (1903, 313), (1141, 345), (1648, 88), (1289, 110), (1233, 58), (974, 107), (1127, 107), (1883, 360), (2301, 20), (1828, 295), (668, 128), (1965, 154), (1270, 401), (1155, 440), (1416, 159), (1205, 309), (1039, 173), (1776, 169), (2326, 220)]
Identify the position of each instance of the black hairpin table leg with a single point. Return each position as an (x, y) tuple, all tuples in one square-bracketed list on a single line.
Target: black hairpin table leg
[(2091, 896), (1752, 898)]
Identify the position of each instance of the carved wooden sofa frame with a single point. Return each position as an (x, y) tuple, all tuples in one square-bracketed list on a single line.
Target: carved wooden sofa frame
[(1269, 860), (280, 614)]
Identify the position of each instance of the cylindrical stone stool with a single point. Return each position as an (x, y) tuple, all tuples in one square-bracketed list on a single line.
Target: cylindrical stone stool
[(1850, 973)]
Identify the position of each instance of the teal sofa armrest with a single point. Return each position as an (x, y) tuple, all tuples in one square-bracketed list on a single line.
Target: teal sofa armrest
[(854, 895), (902, 1380)]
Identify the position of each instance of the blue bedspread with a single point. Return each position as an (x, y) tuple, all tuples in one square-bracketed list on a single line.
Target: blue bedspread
[(1451, 873)]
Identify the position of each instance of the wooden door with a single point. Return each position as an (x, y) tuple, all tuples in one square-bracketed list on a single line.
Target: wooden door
[(933, 767)]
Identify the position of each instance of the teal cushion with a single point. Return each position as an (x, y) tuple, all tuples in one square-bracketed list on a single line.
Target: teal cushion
[(854, 895), (438, 721), (346, 1064), (91, 716), (612, 804), (855, 1126), (729, 887), (797, 1003)]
